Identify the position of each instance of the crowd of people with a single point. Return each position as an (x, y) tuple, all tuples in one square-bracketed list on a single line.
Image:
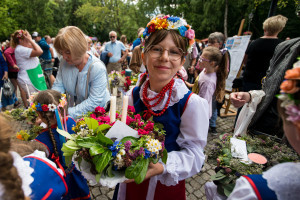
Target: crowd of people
[(181, 85)]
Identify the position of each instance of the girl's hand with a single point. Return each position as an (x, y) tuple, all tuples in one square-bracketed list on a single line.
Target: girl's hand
[(238, 99), (27, 36), (153, 170)]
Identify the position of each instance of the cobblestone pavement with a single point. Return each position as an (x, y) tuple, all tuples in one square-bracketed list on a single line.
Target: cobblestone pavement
[(194, 185)]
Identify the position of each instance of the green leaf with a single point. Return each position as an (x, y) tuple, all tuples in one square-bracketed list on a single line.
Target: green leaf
[(109, 170), (140, 178), (95, 150), (104, 140), (87, 142), (129, 138), (103, 127), (98, 176), (91, 123), (68, 160), (102, 160), (165, 156), (218, 176), (72, 145), (154, 160), (137, 170), (65, 134), (228, 189)]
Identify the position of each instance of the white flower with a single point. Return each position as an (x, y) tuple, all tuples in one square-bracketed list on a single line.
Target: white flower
[(52, 107), (153, 145)]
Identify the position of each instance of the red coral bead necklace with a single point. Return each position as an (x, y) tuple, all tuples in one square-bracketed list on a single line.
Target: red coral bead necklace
[(159, 96)]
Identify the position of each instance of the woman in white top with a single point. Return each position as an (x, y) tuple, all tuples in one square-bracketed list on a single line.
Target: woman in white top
[(30, 76)]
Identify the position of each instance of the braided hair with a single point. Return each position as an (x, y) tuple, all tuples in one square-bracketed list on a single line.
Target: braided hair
[(9, 177), (49, 97)]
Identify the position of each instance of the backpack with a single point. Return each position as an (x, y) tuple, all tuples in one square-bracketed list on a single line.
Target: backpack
[(8, 89)]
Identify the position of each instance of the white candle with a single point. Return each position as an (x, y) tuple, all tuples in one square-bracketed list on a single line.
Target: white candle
[(124, 108), (1, 94), (113, 105), (28, 91), (115, 91)]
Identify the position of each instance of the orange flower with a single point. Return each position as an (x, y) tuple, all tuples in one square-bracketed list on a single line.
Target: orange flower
[(19, 136), (289, 86), (292, 73)]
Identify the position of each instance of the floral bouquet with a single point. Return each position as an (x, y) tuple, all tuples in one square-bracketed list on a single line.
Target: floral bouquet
[(114, 151), (119, 80), (230, 168)]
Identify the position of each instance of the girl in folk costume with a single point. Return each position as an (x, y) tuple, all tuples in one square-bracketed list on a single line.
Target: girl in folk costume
[(48, 104), (165, 98), (30, 75), (32, 177), (283, 180)]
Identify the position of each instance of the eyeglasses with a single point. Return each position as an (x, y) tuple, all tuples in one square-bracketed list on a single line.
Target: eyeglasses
[(174, 53), (201, 59), (112, 36)]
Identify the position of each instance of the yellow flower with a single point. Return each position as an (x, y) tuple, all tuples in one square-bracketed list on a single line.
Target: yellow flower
[(33, 106)]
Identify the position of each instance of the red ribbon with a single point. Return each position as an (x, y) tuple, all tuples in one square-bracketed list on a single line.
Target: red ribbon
[(56, 160)]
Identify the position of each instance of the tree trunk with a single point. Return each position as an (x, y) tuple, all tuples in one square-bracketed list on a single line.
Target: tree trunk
[(225, 18)]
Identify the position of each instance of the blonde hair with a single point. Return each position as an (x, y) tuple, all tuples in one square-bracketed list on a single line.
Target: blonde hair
[(274, 25), (16, 36), (71, 38), (123, 39)]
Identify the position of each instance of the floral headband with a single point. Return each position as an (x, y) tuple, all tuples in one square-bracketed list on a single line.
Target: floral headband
[(49, 107), (20, 34), (289, 88), (171, 23)]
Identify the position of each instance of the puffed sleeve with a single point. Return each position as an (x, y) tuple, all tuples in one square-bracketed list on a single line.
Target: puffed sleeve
[(242, 190), (192, 140)]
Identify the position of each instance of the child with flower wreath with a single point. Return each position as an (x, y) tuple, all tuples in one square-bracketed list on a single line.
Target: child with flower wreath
[(48, 104), (167, 99), (283, 180)]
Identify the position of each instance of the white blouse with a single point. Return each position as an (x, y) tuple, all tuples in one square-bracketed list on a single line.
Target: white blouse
[(283, 179), (192, 139)]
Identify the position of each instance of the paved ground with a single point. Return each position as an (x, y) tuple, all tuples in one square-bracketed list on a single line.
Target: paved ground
[(194, 185)]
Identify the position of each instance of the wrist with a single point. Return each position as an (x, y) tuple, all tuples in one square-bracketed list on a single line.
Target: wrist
[(250, 97)]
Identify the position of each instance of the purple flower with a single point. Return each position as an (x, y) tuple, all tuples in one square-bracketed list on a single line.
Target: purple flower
[(127, 145), (293, 112)]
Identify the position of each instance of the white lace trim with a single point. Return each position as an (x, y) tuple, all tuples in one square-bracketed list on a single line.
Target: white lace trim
[(42, 155), (24, 171), (179, 90), (286, 185)]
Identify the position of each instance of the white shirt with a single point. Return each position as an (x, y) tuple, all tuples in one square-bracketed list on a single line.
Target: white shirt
[(25, 62)]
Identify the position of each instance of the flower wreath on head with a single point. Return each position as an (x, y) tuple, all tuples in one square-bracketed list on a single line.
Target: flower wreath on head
[(49, 107), (171, 23), (289, 88), (20, 34)]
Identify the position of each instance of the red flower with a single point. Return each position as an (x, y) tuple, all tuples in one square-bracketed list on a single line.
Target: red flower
[(149, 126), (45, 107), (151, 28), (143, 132), (129, 120), (100, 110), (123, 72), (131, 109), (93, 116)]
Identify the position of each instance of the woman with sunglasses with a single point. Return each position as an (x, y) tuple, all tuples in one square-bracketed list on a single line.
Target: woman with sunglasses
[(165, 98)]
